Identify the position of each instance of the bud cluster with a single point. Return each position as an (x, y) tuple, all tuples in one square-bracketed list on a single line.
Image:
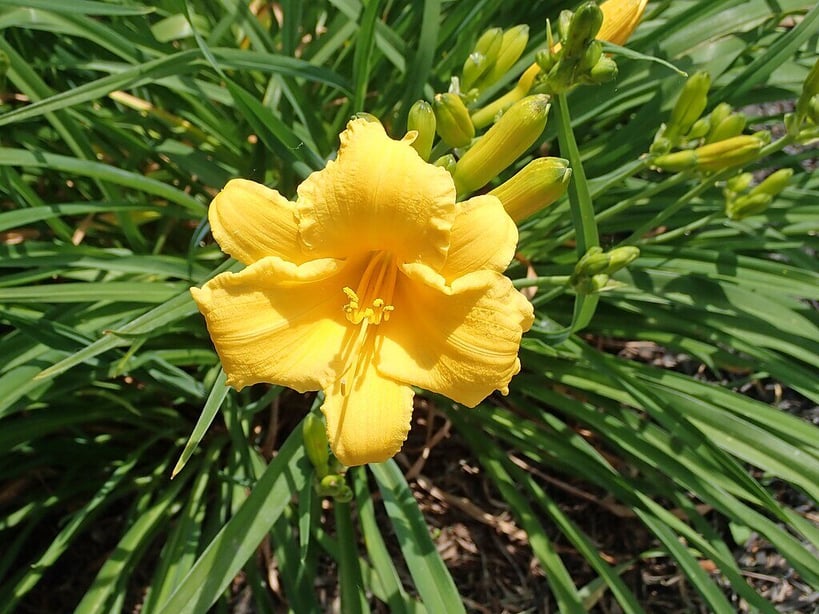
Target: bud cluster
[(742, 200), (707, 143), (591, 273)]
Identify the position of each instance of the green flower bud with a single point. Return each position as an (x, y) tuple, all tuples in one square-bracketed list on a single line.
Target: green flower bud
[(482, 57), (345, 494), (700, 128), (422, 119), (503, 143), (583, 27), (731, 126), (536, 186), (810, 89), (713, 157), (676, 161), (331, 485), (454, 125), (592, 55), (739, 183), (315, 443), (774, 183), (604, 71), (621, 257), (512, 47), (720, 113), (689, 106), (594, 261), (447, 161), (748, 205)]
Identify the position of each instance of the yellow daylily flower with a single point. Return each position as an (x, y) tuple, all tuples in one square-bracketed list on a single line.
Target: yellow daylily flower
[(373, 281)]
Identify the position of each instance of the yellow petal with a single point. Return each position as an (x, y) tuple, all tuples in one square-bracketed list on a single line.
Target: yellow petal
[(250, 221), (278, 323), (483, 237), (460, 340), (369, 420), (620, 19), (377, 195)]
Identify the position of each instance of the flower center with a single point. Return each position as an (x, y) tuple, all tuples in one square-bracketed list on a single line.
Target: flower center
[(369, 304), (371, 300)]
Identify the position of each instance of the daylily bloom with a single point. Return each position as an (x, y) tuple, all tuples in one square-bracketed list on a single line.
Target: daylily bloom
[(373, 281)]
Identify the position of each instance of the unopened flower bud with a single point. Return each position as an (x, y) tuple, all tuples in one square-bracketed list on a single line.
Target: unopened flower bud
[(720, 112), (315, 443), (689, 106), (733, 125), (713, 157), (620, 19), (748, 205), (503, 143), (482, 57), (621, 257), (536, 186), (446, 162), (594, 261), (345, 494), (454, 125), (739, 183), (700, 128), (422, 119), (583, 28), (774, 183), (512, 47), (810, 89), (592, 55), (331, 485), (604, 71)]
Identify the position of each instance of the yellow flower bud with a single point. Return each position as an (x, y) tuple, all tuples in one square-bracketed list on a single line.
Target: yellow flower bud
[(315, 443), (422, 119), (620, 19), (713, 157), (536, 186), (454, 125), (512, 47), (482, 57), (503, 143), (486, 115)]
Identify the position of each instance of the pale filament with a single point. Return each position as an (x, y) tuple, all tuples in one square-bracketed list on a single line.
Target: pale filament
[(367, 306)]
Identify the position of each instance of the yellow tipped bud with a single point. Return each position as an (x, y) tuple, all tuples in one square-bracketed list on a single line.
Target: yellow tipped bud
[(482, 57), (422, 119), (536, 186), (315, 444), (713, 157), (689, 106), (512, 47), (503, 143), (733, 125), (454, 125), (774, 183), (739, 183)]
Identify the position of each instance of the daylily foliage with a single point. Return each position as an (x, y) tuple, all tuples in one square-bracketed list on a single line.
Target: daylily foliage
[(373, 281)]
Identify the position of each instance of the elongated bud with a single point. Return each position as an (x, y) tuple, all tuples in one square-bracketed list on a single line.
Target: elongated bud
[(512, 47), (719, 113), (739, 183), (583, 29), (733, 125), (486, 115), (748, 205), (700, 128), (536, 186), (774, 183), (735, 151), (315, 443), (620, 19), (422, 119), (689, 106), (594, 261), (482, 57), (503, 143), (810, 89), (454, 125)]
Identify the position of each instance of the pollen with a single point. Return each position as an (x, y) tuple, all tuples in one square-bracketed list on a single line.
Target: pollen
[(371, 301)]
